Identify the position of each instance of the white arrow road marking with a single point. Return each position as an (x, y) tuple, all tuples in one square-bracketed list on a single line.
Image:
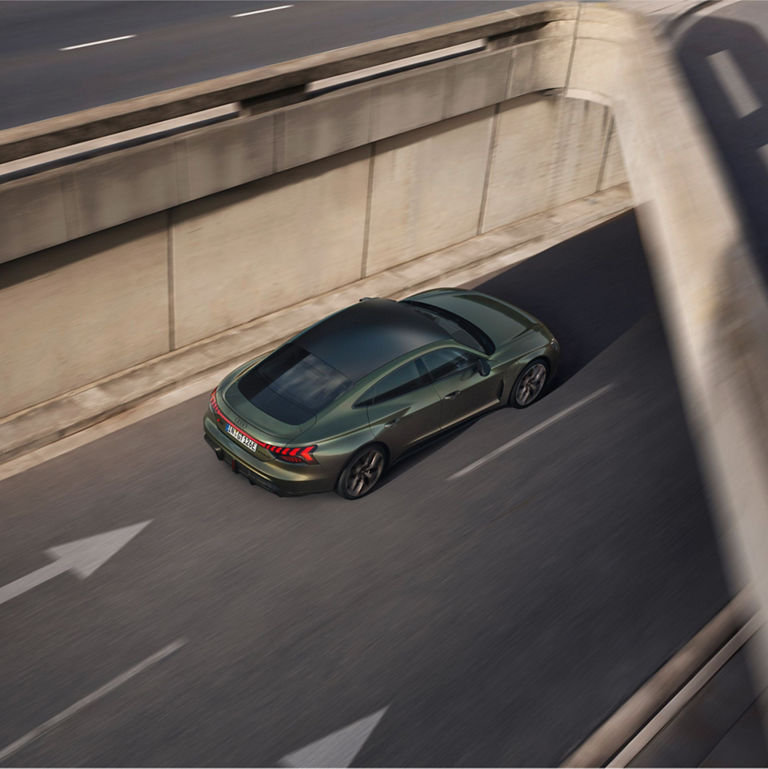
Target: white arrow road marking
[(39, 731), (337, 749), (82, 557)]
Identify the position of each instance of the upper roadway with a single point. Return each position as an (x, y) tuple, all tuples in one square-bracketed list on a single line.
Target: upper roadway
[(161, 45)]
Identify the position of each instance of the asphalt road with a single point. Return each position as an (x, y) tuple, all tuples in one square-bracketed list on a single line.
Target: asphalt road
[(724, 55), (493, 620), (179, 42)]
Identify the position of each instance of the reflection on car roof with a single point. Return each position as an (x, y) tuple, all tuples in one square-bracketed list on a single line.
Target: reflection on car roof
[(367, 335)]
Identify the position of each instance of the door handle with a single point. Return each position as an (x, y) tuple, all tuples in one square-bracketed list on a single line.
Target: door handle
[(392, 422), (452, 395)]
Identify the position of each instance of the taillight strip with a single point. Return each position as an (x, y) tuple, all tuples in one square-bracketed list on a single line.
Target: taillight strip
[(297, 454)]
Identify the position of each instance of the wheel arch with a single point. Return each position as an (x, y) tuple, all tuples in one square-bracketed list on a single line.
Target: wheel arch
[(510, 381)]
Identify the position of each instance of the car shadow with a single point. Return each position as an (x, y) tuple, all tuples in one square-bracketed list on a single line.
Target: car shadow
[(589, 290), (419, 455)]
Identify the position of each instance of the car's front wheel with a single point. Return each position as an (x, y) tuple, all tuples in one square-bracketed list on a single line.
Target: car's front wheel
[(362, 472), (530, 384)]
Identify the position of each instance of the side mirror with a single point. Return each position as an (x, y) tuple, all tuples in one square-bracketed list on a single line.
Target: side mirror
[(483, 367)]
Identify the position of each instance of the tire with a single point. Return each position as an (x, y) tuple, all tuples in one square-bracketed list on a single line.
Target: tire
[(362, 472), (530, 384)]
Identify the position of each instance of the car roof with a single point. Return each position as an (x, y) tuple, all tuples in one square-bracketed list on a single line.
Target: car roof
[(368, 335)]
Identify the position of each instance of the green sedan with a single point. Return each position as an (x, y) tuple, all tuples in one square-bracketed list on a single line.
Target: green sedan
[(348, 397)]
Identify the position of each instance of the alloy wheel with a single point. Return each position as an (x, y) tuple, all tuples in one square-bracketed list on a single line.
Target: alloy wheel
[(530, 384), (363, 473)]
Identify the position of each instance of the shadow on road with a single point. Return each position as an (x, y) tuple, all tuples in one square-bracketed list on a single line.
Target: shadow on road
[(588, 290)]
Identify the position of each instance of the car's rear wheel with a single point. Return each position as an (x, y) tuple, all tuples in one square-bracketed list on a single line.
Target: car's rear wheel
[(530, 384), (362, 472)]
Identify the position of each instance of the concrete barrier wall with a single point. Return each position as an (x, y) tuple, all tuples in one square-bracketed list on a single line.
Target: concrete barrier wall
[(268, 244), (134, 291), (81, 311), (427, 189)]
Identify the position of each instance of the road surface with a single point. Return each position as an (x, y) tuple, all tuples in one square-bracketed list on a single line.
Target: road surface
[(490, 620)]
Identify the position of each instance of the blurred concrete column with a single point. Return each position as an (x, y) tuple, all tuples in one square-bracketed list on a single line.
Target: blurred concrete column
[(709, 290)]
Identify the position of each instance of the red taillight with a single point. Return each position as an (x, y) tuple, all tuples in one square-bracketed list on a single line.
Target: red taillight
[(215, 407), (294, 454), (284, 453)]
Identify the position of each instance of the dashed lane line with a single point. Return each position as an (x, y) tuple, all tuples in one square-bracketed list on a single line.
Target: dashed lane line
[(528, 433), (96, 42), (51, 723), (260, 10)]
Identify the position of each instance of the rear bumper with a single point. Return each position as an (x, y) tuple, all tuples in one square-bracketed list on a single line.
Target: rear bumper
[(291, 480)]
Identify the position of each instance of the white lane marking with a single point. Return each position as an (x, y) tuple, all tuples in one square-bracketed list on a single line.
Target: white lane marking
[(528, 433), (39, 731), (736, 86), (686, 694), (261, 10), (337, 749), (96, 42), (83, 557)]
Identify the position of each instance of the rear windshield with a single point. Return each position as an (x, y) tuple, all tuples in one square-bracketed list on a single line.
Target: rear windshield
[(292, 384), (459, 328)]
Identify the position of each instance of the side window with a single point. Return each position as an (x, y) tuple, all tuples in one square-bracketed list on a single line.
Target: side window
[(403, 380), (441, 363)]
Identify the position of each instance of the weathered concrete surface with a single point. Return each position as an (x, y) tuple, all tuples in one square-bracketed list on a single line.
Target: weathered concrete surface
[(523, 159), (427, 189), (313, 130), (34, 215), (540, 65), (250, 251), (125, 185), (613, 170), (224, 156), (78, 312), (477, 82), (408, 101), (583, 133)]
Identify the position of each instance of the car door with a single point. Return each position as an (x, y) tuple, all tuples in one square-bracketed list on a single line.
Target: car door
[(403, 407), (464, 391)]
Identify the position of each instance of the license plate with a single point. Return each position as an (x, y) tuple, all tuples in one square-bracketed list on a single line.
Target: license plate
[(244, 439)]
